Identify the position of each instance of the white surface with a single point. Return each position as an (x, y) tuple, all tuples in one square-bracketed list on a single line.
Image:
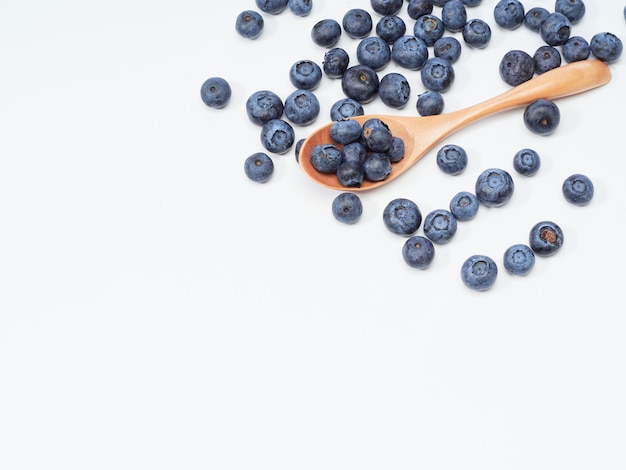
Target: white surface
[(158, 310)]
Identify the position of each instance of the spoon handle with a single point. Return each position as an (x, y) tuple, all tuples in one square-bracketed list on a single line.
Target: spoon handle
[(566, 80)]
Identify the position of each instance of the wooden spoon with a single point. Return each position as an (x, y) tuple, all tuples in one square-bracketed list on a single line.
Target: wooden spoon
[(420, 134)]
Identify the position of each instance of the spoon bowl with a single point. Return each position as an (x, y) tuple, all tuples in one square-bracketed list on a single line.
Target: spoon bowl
[(421, 134)]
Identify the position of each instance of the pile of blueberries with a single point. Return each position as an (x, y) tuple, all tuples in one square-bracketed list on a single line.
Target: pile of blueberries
[(411, 50)]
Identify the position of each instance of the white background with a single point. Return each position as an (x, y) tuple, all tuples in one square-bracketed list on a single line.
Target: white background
[(158, 310)]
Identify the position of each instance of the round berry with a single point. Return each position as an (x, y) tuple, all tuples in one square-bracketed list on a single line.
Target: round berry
[(479, 272), (418, 252), (526, 162), (259, 167), (347, 208), (402, 216), (545, 238), (249, 24), (494, 187), (464, 205), (452, 159), (578, 189), (518, 259), (215, 92), (542, 117)]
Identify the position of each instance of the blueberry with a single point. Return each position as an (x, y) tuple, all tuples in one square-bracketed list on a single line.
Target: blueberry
[(555, 29), (546, 58), (300, 7), (518, 259), (360, 83), (347, 208), (249, 24), (578, 189), (526, 162), (394, 90), (259, 167), (273, 7), (396, 151), (576, 48), (354, 152), (350, 174), (377, 166), (345, 108), (509, 14), (326, 158), (542, 117), (345, 131), (409, 52), (545, 238), (297, 149), (305, 74), (574, 10), (357, 23), (373, 52), (464, 205), (437, 74), (402, 216), (516, 67), (494, 187), (326, 32), (454, 15), (389, 28), (418, 252), (215, 92), (430, 103), (448, 47), (376, 135), (417, 8), (263, 106), (606, 46), (440, 226), (336, 61), (534, 17), (476, 33), (479, 272), (386, 7), (452, 159), (302, 107), (277, 136), (428, 28)]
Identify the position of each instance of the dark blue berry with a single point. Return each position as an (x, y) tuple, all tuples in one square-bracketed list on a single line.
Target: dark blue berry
[(350, 174), (300, 7), (263, 106), (574, 10), (273, 7), (440, 226), (326, 158), (448, 47), (430, 103), (326, 32), (360, 83), (418, 252), (476, 33), (409, 52), (534, 17), (555, 30), (606, 46), (454, 15), (545, 238), (516, 67), (249, 24), (578, 189), (305, 74), (417, 8), (297, 149), (576, 48), (376, 135), (428, 28), (386, 7), (546, 58), (542, 117), (464, 205), (377, 166), (277, 136), (518, 259), (479, 272), (389, 28), (354, 152), (452, 159), (494, 187), (345, 131), (526, 162), (347, 208), (215, 92), (259, 167), (394, 90), (345, 108), (302, 107), (373, 52), (357, 23), (437, 74), (509, 14), (396, 151), (402, 216), (336, 61)]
